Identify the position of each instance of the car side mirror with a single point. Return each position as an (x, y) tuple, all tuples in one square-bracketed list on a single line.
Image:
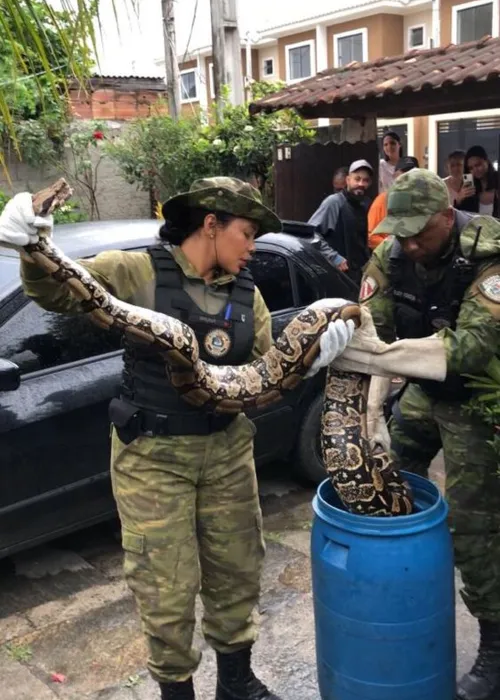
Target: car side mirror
[(10, 376)]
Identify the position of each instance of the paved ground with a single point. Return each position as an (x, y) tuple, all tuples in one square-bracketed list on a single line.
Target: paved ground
[(64, 609)]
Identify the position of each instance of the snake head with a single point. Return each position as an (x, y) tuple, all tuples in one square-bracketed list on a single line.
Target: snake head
[(46, 201)]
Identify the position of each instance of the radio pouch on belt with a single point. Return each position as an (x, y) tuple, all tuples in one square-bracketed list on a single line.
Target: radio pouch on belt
[(125, 418)]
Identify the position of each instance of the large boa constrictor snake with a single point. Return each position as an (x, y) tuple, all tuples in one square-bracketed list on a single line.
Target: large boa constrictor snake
[(365, 480)]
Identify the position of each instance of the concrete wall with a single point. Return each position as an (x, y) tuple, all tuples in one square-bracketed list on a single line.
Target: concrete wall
[(116, 198), (384, 35), (269, 52), (416, 19)]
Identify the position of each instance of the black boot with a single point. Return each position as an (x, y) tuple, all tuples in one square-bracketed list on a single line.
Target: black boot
[(236, 680), (483, 681), (181, 690)]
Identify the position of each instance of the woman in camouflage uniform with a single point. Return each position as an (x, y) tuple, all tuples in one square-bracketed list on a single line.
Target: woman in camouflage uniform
[(184, 481)]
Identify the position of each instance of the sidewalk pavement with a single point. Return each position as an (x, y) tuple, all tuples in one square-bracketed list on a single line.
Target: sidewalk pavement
[(70, 613)]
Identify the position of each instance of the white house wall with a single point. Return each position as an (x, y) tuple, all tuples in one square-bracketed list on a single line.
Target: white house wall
[(416, 19)]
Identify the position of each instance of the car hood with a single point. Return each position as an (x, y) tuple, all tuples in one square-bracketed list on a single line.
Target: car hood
[(9, 274)]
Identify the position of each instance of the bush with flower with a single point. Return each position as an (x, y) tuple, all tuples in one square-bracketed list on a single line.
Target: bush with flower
[(164, 155)]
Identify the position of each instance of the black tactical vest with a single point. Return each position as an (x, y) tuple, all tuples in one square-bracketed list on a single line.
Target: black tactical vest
[(421, 309), (225, 338)]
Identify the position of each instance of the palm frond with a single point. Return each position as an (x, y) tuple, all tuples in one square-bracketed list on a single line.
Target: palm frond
[(28, 40)]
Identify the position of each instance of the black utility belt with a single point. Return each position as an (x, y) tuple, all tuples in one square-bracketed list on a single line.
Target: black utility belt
[(130, 422)]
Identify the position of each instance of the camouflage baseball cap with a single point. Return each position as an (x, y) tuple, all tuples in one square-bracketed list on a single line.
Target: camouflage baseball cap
[(224, 194), (411, 201)]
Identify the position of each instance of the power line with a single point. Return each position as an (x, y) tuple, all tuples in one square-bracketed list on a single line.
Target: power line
[(31, 75), (190, 32)]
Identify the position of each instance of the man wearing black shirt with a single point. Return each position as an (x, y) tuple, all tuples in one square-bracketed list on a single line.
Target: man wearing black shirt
[(342, 221)]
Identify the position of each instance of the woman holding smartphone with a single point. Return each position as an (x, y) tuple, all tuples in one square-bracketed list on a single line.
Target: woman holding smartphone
[(479, 193)]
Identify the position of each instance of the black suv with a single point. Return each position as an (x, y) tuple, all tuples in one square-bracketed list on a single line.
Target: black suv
[(54, 428)]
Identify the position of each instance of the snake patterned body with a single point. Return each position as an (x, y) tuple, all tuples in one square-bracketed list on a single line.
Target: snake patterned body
[(365, 481)]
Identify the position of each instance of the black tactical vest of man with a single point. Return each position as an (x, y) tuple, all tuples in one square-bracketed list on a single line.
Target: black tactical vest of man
[(421, 308), (225, 338)]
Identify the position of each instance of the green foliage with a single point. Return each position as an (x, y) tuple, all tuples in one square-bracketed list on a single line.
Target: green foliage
[(161, 153), (79, 164), (34, 64), (266, 87), (69, 213), (4, 198), (486, 402), (167, 155), (18, 652)]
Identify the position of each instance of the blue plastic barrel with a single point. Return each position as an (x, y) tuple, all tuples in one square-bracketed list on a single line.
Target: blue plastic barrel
[(384, 600)]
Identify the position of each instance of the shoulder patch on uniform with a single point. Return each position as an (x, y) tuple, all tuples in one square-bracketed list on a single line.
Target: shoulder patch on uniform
[(490, 287), (368, 288)]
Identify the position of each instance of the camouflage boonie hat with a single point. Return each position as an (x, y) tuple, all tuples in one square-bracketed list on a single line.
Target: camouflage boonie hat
[(411, 201), (223, 194)]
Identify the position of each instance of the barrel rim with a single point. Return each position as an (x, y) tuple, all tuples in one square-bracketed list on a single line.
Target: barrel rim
[(384, 526)]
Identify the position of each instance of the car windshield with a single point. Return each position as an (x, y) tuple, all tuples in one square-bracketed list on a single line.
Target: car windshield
[(9, 271)]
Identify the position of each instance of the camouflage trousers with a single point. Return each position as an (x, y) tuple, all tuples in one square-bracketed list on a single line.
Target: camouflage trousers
[(472, 487), (191, 522)]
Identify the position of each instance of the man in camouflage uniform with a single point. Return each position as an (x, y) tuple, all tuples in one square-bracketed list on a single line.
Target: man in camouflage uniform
[(439, 272), (184, 480)]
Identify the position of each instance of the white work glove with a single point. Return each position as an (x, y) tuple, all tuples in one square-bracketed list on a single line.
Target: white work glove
[(18, 224), (376, 426), (419, 358), (334, 340)]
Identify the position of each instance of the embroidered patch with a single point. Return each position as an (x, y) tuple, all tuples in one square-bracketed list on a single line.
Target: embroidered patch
[(217, 342), (368, 288), (490, 287)]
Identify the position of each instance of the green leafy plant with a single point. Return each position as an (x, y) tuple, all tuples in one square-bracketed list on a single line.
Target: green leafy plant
[(35, 61), (164, 155), (486, 402), (3, 200), (18, 652), (43, 50), (69, 213)]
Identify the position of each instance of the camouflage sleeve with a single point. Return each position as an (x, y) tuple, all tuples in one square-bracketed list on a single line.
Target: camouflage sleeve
[(263, 329), (476, 339), (124, 274), (375, 292)]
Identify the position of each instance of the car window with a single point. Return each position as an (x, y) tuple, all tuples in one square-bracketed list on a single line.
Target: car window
[(36, 339), (271, 275), (307, 292)]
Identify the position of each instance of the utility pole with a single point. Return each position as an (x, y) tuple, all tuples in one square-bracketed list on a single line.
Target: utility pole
[(226, 51), (171, 67)]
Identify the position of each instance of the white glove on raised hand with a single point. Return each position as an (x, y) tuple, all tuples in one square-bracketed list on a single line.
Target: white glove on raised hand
[(332, 343), (18, 223), (420, 358)]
